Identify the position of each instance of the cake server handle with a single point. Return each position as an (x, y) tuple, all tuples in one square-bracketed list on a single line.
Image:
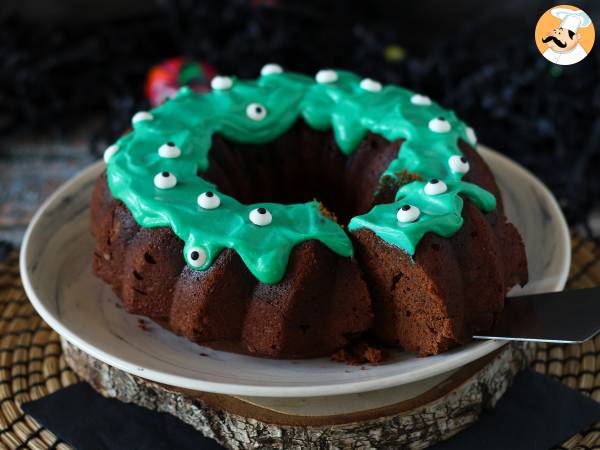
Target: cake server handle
[(566, 317)]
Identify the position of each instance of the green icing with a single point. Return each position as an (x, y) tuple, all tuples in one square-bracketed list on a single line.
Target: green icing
[(190, 120), (440, 214)]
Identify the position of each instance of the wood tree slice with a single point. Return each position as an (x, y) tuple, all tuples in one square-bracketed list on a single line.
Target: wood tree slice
[(420, 422)]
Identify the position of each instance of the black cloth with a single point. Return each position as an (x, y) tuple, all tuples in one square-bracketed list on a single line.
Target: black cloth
[(537, 412), (87, 421)]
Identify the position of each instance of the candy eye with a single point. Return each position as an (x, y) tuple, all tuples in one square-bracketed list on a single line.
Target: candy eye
[(169, 150), (256, 111), (370, 85), (141, 116), (408, 213), (220, 83), (471, 136), (196, 256), (439, 125), (260, 217), (435, 187), (209, 200), (421, 100), (165, 180), (459, 164), (269, 69), (326, 76), (110, 151)]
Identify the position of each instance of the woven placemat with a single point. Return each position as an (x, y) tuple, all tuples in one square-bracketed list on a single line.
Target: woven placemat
[(32, 364)]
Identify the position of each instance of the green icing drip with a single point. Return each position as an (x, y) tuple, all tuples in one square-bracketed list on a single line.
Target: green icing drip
[(440, 214), (190, 120)]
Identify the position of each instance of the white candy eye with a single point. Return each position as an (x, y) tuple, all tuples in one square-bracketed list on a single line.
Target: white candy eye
[(110, 151), (370, 85), (269, 69), (435, 187), (196, 256), (220, 83), (326, 76), (256, 111), (439, 125), (169, 150), (209, 200), (421, 100), (408, 213), (471, 136), (459, 164), (165, 180), (141, 116), (260, 217)]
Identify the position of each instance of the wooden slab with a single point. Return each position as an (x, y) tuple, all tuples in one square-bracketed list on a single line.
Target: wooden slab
[(238, 423)]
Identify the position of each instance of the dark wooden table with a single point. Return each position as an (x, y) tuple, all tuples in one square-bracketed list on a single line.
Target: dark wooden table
[(31, 168)]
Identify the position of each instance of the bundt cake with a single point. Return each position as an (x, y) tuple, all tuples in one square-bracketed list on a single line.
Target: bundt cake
[(289, 216)]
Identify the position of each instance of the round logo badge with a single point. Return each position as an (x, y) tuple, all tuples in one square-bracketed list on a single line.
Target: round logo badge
[(564, 35)]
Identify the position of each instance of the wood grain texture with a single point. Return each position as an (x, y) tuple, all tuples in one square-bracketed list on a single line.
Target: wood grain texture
[(31, 168), (417, 423)]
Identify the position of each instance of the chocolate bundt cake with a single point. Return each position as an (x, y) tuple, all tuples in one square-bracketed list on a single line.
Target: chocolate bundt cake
[(288, 216)]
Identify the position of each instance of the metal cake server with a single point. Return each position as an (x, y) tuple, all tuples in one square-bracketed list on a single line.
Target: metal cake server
[(566, 317)]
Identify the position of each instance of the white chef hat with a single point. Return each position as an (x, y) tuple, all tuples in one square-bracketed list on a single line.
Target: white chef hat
[(571, 19)]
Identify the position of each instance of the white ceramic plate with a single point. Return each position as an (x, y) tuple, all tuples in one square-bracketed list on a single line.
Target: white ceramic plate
[(56, 269)]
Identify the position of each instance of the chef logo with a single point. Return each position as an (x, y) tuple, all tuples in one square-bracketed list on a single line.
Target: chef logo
[(564, 35)]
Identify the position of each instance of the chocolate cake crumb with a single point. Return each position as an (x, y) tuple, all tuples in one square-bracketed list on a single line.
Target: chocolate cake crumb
[(405, 177), (326, 212), (389, 185), (360, 353)]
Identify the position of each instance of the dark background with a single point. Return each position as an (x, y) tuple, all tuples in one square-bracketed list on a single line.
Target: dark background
[(72, 74)]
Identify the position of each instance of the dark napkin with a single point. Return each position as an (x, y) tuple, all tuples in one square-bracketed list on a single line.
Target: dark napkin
[(87, 421), (537, 412)]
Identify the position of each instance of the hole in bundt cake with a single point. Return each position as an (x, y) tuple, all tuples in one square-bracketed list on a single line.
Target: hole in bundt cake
[(301, 165)]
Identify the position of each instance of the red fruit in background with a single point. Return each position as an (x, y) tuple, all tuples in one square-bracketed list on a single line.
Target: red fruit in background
[(166, 78)]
